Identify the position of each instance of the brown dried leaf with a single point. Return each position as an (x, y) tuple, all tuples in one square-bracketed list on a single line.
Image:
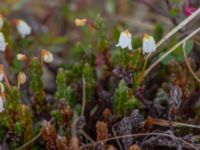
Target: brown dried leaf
[(107, 114), (61, 143), (134, 147), (102, 130), (49, 135)]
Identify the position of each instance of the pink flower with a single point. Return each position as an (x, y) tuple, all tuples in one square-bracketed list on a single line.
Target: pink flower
[(189, 10)]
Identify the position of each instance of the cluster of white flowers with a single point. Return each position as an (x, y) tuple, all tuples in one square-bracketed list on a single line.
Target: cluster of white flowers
[(125, 41)]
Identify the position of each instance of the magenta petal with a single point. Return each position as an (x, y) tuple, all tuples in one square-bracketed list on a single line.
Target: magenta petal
[(189, 10)]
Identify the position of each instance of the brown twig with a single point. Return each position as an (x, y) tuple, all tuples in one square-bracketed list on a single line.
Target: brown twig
[(114, 133), (144, 134), (32, 140), (188, 65), (84, 97)]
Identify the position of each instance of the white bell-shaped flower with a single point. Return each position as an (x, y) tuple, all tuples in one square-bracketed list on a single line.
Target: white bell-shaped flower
[(125, 40), (149, 44), (23, 28), (1, 104), (2, 42)]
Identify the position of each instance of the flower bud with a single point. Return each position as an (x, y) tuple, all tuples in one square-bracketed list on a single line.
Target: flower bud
[(1, 21), (46, 56), (80, 22), (22, 57), (21, 78)]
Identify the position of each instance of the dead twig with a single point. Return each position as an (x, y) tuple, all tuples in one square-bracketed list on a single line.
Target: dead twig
[(145, 134)]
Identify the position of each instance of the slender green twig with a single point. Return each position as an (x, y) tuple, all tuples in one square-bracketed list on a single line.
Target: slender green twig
[(171, 50)]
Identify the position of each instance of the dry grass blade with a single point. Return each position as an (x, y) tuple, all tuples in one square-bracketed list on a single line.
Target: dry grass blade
[(145, 134), (188, 64), (32, 140), (171, 50), (166, 123), (84, 97), (178, 27)]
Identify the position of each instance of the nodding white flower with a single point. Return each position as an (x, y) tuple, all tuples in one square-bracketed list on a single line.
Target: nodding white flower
[(1, 103), (1, 21), (149, 44), (2, 42), (80, 22), (21, 57), (125, 40), (23, 28), (47, 56)]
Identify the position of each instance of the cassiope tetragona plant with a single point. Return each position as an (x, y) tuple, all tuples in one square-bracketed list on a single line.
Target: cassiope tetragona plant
[(125, 102), (36, 72), (63, 91)]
